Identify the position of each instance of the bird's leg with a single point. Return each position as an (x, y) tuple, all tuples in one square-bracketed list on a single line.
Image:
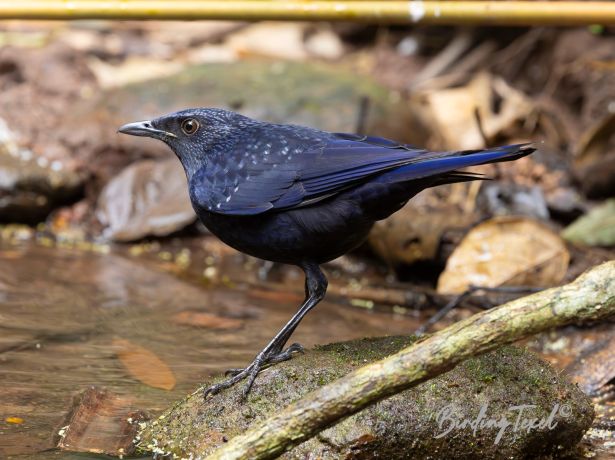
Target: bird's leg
[(316, 287)]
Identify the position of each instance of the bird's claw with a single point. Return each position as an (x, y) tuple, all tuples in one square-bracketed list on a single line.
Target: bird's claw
[(262, 361)]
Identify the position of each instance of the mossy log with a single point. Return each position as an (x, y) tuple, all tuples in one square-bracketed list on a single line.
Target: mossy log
[(590, 297)]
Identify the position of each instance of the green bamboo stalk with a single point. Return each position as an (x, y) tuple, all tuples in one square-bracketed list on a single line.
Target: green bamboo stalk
[(423, 12), (590, 297)]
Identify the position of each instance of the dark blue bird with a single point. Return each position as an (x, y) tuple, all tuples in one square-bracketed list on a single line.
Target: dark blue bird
[(299, 195)]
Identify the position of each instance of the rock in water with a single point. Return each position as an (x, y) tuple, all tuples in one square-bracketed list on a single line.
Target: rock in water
[(505, 404), (31, 187), (146, 198)]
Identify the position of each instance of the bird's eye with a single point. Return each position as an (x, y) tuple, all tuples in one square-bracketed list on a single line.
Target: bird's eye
[(190, 126)]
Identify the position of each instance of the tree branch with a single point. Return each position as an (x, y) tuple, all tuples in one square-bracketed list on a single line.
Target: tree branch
[(590, 297)]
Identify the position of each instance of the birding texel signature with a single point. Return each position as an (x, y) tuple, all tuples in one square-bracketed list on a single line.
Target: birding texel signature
[(516, 419)]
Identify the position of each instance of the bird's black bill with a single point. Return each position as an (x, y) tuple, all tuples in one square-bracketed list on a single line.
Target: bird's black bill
[(145, 129)]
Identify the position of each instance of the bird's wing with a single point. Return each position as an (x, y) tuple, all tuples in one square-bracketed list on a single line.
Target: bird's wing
[(301, 176), (308, 171)]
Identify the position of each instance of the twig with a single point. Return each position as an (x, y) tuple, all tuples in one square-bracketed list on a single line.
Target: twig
[(479, 125), (444, 311), (589, 297), (362, 114), (443, 60), (456, 301)]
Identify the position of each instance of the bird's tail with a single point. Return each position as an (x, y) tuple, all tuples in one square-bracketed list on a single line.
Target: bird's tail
[(444, 166)]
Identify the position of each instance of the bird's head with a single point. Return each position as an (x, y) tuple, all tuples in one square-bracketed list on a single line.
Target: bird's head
[(193, 134)]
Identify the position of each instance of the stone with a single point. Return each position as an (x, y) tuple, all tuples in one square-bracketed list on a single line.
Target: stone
[(509, 386), (31, 187), (147, 198)]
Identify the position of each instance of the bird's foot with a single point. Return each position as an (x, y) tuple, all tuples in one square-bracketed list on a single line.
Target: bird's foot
[(263, 360)]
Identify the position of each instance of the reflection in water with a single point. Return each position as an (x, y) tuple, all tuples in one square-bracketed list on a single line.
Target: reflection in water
[(61, 311)]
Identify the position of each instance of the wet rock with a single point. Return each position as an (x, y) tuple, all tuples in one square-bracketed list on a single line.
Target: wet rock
[(414, 424), (565, 204), (497, 199), (38, 174), (31, 187), (146, 198), (34, 108)]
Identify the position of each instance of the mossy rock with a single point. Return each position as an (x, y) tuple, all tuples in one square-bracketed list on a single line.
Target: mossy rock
[(413, 424), (318, 95), (313, 94)]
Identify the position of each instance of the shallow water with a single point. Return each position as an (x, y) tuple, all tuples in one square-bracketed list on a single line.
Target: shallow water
[(63, 311)]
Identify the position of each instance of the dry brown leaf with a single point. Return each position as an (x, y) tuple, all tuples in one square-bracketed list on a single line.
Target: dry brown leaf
[(593, 145), (452, 111), (511, 251), (206, 320), (415, 233), (144, 365), (594, 162)]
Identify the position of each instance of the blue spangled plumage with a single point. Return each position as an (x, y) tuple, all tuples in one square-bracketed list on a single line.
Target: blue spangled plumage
[(298, 195), (320, 169)]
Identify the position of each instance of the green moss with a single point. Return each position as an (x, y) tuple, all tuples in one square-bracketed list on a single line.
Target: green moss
[(402, 426)]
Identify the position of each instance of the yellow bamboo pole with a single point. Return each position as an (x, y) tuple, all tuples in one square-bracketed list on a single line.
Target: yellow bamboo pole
[(424, 12)]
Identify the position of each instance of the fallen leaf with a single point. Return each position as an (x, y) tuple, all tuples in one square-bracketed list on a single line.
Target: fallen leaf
[(14, 420), (452, 112), (513, 251), (144, 365), (101, 422), (206, 320), (8, 255), (415, 233), (594, 162), (596, 228)]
